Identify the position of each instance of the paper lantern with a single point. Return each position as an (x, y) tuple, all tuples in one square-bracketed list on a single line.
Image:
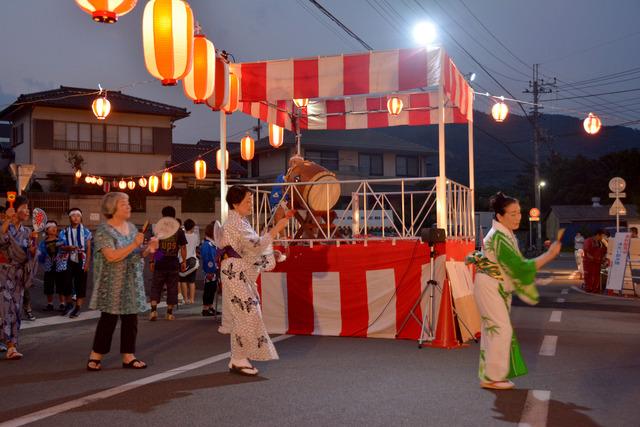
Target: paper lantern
[(219, 160), (167, 180), (200, 167), (153, 183), (394, 105), (198, 84), (122, 184), (301, 102), (131, 185), (276, 136), (592, 124), (234, 90), (106, 187), (499, 112), (106, 11), (247, 148), (221, 85), (99, 181), (101, 107), (114, 183), (167, 37), (87, 179), (142, 182), (78, 173)]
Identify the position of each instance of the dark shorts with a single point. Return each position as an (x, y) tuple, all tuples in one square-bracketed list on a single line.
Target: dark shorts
[(55, 282), (162, 278), (77, 278), (189, 278)]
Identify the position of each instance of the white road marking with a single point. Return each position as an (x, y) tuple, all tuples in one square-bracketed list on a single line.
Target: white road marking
[(556, 316), (560, 300), (548, 347), (536, 409), (565, 291), (105, 394)]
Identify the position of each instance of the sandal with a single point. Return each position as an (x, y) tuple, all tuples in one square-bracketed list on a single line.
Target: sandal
[(497, 385), (13, 354), (97, 365), (132, 364), (243, 370)]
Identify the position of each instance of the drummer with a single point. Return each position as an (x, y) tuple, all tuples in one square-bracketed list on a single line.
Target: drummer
[(165, 267)]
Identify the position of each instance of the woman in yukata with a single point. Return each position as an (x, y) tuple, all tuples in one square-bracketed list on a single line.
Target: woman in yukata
[(18, 247), (244, 255), (500, 272)]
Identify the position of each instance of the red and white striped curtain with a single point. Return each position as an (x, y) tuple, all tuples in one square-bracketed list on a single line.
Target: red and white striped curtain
[(350, 91)]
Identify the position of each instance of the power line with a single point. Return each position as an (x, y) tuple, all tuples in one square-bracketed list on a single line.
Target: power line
[(598, 94), (340, 24)]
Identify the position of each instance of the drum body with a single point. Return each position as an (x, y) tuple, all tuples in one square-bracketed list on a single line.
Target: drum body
[(320, 196)]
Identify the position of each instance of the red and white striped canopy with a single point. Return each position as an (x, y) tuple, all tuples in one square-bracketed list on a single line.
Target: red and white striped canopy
[(351, 91)]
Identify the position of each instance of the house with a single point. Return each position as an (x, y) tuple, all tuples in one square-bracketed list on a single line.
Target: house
[(136, 137), (586, 219)]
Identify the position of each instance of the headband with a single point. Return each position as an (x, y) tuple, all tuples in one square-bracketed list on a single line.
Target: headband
[(75, 212), (49, 225)]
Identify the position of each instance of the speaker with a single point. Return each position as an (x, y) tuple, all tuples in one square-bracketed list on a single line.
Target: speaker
[(433, 235)]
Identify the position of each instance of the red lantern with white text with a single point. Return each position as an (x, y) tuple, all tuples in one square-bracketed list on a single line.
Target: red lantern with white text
[(167, 36), (167, 180), (219, 160), (106, 11), (200, 168), (247, 148), (394, 105), (276, 136), (592, 124), (198, 84)]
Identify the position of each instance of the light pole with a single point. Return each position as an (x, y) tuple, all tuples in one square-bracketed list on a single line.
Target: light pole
[(539, 187)]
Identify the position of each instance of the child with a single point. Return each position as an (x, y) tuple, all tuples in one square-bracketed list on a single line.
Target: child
[(208, 252), (188, 277), (54, 264), (77, 241)]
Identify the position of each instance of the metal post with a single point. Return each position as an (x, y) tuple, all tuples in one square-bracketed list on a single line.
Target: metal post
[(472, 180), (224, 209), (441, 189)]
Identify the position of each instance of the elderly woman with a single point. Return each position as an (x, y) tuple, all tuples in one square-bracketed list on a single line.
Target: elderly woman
[(245, 255), (118, 289), (17, 250), (501, 272)]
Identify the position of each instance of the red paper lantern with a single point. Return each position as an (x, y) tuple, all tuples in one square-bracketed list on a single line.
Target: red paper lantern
[(106, 11), (247, 148), (198, 84), (592, 124), (221, 86), (167, 36), (234, 92)]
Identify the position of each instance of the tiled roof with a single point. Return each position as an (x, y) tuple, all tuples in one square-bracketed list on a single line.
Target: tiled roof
[(186, 154), (75, 98)]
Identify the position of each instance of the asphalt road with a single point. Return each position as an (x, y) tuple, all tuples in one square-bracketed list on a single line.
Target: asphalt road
[(582, 363)]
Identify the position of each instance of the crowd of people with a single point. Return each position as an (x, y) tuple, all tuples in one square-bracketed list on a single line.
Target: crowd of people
[(116, 254)]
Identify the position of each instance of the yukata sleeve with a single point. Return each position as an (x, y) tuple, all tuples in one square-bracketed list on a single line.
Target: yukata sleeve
[(520, 270), (102, 240), (251, 244)]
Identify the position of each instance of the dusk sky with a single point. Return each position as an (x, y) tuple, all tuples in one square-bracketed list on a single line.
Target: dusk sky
[(48, 43)]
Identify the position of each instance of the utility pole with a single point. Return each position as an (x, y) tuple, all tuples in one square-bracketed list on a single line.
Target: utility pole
[(537, 87)]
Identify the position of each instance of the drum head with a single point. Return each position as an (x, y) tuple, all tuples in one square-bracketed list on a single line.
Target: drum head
[(166, 227), (323, 195)]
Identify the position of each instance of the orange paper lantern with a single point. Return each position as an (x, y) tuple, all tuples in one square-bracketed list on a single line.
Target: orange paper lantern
[(219, 160), (276, 136), (122, 184), (394, 105), (131, 185), (592, 124), (101, 107), (200, 167), (234, 90), (167, 36), (167, 180), (153, 183), (142, 182), (198, 84), (99, 181), (247, 148), (221, 85), (106, 11)]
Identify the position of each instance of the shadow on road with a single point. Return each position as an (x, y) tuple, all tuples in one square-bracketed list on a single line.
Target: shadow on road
[(510, 404)]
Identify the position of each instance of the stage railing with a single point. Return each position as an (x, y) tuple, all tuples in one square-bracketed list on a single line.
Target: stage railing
[(377, 209)]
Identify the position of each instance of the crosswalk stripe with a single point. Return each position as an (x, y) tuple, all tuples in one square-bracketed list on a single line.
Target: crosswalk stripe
[(536, 409), (556, 316), (548, 347)]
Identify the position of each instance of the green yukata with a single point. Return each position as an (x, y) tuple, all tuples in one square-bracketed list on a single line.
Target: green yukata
[(501, 272)]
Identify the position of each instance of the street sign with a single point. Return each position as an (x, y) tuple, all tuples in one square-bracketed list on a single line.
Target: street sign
[(534, 214), (617, 195), (617, 184), (617, 208)]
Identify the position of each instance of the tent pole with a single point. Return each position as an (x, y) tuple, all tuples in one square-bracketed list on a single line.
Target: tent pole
[(441, 189), (224, 209)]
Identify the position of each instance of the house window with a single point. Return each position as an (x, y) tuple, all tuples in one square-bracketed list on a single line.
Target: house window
[(328, 159), (370, 164), (406, 166), (98, 137), (17, 135)]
